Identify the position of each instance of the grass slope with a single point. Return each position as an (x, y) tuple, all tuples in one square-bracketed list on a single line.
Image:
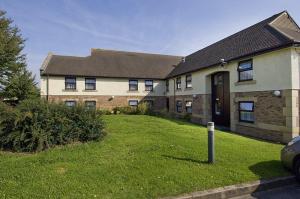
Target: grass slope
[(141, 157)]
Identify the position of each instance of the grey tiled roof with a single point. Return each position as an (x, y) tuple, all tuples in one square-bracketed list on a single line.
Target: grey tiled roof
[(260, 37), (109, 63)]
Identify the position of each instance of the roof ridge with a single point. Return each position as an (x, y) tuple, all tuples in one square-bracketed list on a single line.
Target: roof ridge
[(130, 52), (70, 56)]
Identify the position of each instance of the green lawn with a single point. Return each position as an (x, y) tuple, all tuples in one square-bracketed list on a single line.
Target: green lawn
[(141, 157)]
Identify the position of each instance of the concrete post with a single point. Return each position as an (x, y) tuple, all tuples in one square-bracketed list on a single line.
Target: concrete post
[(211, 142)]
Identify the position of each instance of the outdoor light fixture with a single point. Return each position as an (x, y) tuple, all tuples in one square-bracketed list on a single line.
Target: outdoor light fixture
[(111, 98), (277, 93), (223, 62)]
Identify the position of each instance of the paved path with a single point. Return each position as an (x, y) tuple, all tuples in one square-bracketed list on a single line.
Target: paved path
[(288, 192)]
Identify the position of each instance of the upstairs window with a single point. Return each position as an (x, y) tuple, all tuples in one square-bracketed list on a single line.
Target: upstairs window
[(179, 106), (178, 83), (148, 85), (70, 103), (133, 85), (245, 70), (133, 103), (167, 85), (188, 81), (246, 112), (90, 83), (70, 83), (90, 104), (188, 106)]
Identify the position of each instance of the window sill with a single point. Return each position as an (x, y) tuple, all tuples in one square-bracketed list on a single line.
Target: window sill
[(89, 91), (148, 91), (132, 91), (70, 90), (188, 89), (245, 82), (248, 124), (178, 89)]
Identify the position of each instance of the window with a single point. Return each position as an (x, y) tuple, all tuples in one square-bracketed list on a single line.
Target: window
[(148, 85), (188, 106), (149, 103), (167, 85), (178, 83), (133, 103), (70, 103), (133, 85), (179, 106), (188, 81), (90, 104), (245, 70), (90, 83), (246, 111), (70, 83)]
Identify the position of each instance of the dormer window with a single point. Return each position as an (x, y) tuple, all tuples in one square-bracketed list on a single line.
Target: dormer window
[(245, 70)]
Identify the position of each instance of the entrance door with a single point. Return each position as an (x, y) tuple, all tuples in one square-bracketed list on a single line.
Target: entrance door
[(168, 104), (220, 99)]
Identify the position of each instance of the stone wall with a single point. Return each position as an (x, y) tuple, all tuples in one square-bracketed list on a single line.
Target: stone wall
[(275, 119), (107, 102), (273, 116), (201, 107)]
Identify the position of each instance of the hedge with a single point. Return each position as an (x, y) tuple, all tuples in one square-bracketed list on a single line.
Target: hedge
[(35, 125)]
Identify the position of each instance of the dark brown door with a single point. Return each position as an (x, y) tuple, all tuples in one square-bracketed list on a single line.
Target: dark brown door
[(220, 99), (168, 104)]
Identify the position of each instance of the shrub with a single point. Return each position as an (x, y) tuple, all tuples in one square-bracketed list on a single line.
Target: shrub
[(104, 112), (143, 108), (125, 110), (187, 116), (36, 125)]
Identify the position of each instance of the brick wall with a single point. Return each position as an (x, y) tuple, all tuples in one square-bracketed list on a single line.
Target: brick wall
[(107, 102)]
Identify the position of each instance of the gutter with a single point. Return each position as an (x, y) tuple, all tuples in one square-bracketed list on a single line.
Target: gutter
[(47, 89)]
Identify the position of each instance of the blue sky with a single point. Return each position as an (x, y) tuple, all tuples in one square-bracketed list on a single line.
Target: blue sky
[(178, 27)]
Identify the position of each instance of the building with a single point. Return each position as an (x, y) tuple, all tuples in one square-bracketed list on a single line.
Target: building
[(248, 82)]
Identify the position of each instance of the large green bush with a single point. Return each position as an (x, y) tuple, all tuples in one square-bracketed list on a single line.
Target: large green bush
[(36, 125), (142, 109)]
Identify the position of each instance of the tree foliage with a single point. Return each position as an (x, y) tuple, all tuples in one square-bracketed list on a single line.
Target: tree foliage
[(15, 80)]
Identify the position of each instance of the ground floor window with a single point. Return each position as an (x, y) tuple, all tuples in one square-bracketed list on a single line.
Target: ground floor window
[(179, 106), (133, 103), (90, 104), (70, 103), (246, 112), (188, 106)]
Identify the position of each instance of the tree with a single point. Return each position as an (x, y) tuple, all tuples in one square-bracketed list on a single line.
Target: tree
[(21, 86), (15, 80)]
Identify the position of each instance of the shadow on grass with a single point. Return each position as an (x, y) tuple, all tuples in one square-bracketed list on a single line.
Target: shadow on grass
[(269, 169), (186, 159)]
